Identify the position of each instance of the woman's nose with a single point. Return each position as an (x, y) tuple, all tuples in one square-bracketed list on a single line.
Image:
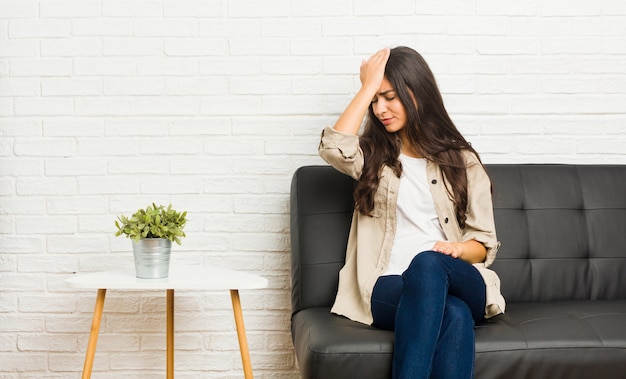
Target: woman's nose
[(380, 107)]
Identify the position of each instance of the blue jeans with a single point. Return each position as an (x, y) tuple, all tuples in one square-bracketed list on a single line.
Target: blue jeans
[(432, 307)]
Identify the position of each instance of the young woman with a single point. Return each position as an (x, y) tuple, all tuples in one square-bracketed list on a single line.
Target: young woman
[(423, 233)]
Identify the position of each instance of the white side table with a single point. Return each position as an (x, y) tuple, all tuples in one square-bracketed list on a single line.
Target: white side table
[(180, 278)]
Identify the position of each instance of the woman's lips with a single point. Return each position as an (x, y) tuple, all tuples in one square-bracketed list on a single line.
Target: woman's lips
[(386, 121)]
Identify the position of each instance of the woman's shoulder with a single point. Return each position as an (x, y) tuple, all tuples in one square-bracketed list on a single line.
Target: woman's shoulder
[(470, 157)]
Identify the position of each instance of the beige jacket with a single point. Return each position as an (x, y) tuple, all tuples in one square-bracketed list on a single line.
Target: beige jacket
[(371, 238)]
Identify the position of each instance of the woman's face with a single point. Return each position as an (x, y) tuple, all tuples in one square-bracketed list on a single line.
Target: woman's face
[(388, 108)]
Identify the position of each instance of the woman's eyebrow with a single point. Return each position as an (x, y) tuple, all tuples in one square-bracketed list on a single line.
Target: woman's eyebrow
[(383, 93)]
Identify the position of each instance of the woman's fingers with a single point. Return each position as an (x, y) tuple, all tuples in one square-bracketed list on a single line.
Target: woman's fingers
[(373, 69), (448, 248), (382, 54)]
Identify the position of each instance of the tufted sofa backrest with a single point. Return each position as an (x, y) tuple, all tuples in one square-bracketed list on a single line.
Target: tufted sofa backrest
[(562, 228), (563, 231)]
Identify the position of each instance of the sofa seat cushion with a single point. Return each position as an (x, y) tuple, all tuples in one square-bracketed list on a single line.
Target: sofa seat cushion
[(331, 346), (569, 339), (566, 339)]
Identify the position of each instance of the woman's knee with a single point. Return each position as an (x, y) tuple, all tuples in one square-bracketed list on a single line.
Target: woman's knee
[(426, 261), (426, 275)]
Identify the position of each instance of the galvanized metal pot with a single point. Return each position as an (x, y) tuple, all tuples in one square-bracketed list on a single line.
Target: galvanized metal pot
[(152, 257)]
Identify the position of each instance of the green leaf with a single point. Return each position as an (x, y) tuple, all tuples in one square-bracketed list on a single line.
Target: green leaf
[(153, 222)]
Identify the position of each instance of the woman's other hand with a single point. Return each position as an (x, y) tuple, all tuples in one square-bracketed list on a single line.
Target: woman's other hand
[(470, 251), (453, 249)]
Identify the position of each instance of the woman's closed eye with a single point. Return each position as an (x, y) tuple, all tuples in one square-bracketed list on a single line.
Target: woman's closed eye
[(388, 98)]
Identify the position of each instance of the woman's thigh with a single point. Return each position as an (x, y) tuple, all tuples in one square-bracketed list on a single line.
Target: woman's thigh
[(461, 278)]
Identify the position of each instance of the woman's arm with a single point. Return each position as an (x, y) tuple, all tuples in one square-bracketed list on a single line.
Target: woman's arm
[(372, 75), (470, 251), (478, 242), (480, 224)]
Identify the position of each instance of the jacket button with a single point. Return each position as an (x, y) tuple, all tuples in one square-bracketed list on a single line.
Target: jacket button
[(434, 181), (445, 220)]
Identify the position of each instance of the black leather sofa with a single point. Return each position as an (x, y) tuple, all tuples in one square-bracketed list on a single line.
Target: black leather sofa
[(562, 264)]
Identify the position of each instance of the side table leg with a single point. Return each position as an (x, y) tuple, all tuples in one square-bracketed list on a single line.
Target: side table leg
[(241, 334), (93, 335), (170, 334)]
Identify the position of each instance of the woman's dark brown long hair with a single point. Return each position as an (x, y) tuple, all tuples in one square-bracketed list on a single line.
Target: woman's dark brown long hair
[(429, 129)]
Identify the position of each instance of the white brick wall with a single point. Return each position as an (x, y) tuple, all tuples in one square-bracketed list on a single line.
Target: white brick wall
[(108, 105)]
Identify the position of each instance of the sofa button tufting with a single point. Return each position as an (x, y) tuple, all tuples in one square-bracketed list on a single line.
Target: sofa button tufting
[(445, 220)]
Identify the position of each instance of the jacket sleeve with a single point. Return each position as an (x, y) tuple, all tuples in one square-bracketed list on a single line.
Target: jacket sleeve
[(342, 151), (480, 224)]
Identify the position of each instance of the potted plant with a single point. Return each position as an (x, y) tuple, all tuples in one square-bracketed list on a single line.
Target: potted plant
[(152, 231)]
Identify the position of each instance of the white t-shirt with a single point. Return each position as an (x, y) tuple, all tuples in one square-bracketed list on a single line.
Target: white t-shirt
[(418, 226)]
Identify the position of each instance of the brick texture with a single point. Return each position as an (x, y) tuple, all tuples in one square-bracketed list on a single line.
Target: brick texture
[(109, 105)]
